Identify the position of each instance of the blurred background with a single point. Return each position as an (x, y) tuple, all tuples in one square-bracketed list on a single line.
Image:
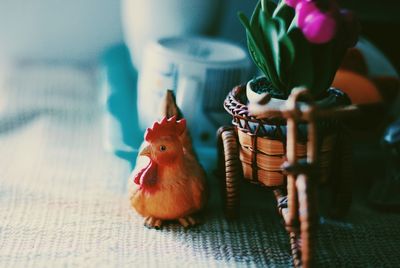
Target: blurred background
[(380, 23), (58, 30), (79, 31)]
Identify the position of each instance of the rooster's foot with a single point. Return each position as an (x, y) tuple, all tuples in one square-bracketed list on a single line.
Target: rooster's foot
[(188, 221), (152, 223)]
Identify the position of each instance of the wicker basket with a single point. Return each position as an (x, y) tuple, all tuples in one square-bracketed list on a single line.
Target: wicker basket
[(263, 144), (274, 153)]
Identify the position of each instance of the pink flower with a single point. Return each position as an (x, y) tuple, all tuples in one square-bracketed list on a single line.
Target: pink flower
[(303, 9), (292, 3), (318, 27)]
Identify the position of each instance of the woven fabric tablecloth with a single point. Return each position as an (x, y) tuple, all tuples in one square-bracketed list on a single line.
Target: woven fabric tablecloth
[(63, 200)]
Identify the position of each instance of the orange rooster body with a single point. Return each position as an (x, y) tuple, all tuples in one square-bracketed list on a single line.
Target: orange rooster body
[(168, 183)]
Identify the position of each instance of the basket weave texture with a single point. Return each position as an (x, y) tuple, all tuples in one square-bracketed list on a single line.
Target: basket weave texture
[(263, 143)]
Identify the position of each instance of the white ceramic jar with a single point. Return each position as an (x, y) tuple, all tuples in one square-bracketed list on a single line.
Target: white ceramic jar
[(201, 71), (149, 20)]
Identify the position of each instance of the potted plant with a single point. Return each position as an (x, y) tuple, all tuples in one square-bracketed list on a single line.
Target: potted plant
[(296, 43)]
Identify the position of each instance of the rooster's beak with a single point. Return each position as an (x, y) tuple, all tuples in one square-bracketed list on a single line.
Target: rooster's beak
[(146, 151)]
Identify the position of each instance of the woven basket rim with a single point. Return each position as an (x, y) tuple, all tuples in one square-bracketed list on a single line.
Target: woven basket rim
[(235, 107), (239, 111)]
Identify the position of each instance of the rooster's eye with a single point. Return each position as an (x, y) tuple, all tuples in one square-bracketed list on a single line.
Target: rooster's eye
[(163, 148)]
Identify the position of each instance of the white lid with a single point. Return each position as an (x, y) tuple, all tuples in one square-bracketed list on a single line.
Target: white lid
[(200, 49)]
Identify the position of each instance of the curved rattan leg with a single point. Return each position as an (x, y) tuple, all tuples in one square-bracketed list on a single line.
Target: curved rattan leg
[(307, 217), (293, 231), (295, 248), (229, 164)]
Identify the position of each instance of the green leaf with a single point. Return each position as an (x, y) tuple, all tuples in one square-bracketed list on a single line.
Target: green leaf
[(254, 16), (301, 73), (284, 39), (268, 7), (280, 5), (284, 12), (255, 26), (280, 26), (259, 50), (288, 44), (292, 25), (286, 51), (257, 57), (263, 41), (271, 42), (256, 52)]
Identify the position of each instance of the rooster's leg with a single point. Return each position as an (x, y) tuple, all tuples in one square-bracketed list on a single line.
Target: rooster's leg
[(151, 222), (188, 221)]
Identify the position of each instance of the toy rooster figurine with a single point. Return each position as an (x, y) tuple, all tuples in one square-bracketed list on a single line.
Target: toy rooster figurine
[(168, 183)]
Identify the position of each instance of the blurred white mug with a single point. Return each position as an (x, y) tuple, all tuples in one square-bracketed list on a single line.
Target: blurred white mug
[(149, 20), (201, 71)]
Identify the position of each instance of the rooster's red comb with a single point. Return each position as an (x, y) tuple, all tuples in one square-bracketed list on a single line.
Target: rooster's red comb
[(166, 127)]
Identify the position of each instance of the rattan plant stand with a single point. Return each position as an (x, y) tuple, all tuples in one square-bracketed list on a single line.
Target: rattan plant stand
[(290, 168)]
